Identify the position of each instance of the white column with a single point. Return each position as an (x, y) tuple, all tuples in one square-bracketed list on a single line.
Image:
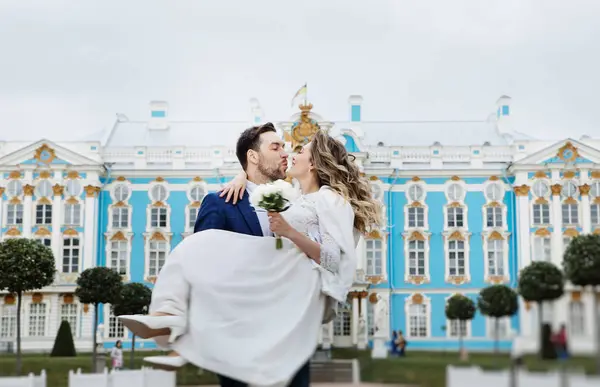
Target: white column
[(584, 206), (557, 234), (56, 223), (382, 327), (559, 311), (27, 210), (363, 338), (327, 335), (1, 208), (523, 224), (525, 318), (355, 318), (89, 230), (360, 253)]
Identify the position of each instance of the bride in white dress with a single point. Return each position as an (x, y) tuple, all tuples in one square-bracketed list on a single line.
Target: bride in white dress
[(233, 304)]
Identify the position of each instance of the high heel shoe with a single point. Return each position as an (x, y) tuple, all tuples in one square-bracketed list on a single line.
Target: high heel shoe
[(146, 326), (166, 362)]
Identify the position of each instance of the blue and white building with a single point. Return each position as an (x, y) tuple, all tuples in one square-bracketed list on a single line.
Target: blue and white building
[(467, 204)]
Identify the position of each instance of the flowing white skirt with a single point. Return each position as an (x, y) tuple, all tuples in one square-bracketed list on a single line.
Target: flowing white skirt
[(254, 312)]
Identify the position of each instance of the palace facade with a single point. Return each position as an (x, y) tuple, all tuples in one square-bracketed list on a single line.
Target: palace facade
[(467, 204)]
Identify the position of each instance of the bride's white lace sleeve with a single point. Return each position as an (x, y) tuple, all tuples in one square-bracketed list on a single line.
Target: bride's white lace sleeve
[(338, 244), (330, 251)]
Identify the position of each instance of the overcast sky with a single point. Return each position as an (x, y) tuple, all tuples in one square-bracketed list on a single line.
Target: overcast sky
[(66, 67)]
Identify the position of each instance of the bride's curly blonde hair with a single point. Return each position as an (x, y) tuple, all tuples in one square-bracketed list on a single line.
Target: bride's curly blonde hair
[(335, 167)]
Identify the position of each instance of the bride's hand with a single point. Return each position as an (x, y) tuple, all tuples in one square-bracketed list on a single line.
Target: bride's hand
[(279, 226), (235, 188)]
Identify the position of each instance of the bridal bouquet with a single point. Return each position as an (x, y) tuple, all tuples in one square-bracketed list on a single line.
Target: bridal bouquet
[(274, 197)]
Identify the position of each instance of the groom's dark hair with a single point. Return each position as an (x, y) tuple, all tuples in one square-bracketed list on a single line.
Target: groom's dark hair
[(250, 139)]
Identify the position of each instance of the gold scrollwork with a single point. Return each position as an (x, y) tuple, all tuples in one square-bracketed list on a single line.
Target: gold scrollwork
[(540, 175), (568, 152), (13, 232), (28, 190), (556, 189), (119, 236), (521, 190), (303, 132), (571, 232), (58, 190), (158, 236), (494, 178), (542, 232), (569, 174), (42, 232), (584, 189), (45, 174), (15, 175), (456, 236), (416, 279), (91, 191), (72, 175), (417, 298), (374, 279), (495, 279), (495, 236), (416, 178), (595, 174), (44, 154)]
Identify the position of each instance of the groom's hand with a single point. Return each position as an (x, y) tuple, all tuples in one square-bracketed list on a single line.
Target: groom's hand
[(278, 225)]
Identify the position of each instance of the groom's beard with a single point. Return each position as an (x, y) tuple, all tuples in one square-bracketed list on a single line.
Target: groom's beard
[(272, 173)]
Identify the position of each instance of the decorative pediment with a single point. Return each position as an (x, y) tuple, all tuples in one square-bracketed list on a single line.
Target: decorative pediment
[(46, 153), (564, 152)]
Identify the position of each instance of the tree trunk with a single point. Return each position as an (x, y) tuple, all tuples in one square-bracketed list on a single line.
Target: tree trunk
[(541, 328), (19, 363), (496, 336), (132, 360), (94, 351), (596, 319)]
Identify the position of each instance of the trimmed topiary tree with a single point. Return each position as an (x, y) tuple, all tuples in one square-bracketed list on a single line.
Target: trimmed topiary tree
[(541, 282), (98, 285), (581, 264), (63, 343), (25, 265), (134, 299), (497, 301), (460, 308)]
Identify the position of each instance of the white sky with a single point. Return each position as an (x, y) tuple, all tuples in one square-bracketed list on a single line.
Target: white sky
[(66, 67)]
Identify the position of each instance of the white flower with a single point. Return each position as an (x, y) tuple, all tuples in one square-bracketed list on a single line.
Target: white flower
[(280, 187)]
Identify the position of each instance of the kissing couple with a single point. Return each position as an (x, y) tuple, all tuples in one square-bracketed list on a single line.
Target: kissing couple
[(228, 301)]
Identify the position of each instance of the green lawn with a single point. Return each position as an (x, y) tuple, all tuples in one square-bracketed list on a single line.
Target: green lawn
[(426, 369)]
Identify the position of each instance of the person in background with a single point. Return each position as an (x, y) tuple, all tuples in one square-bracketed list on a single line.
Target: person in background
[(394, 343), (560, 343), (400, 344), (116, 356)]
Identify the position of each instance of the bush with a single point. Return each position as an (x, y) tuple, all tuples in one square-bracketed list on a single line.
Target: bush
[(63, 344)]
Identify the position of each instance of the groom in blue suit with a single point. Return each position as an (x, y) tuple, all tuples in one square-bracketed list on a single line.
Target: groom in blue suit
[(262, 156)]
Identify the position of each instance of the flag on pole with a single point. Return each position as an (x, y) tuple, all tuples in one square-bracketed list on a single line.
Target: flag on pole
[(301, 92)]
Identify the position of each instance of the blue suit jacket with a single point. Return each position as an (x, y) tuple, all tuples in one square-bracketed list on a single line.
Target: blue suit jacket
[(215, 213)]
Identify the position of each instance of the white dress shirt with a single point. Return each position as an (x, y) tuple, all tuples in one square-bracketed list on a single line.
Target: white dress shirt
[(261, 213)]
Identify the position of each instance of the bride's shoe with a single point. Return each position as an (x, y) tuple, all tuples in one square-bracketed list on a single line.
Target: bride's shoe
[(146, 326), (166, 362)]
